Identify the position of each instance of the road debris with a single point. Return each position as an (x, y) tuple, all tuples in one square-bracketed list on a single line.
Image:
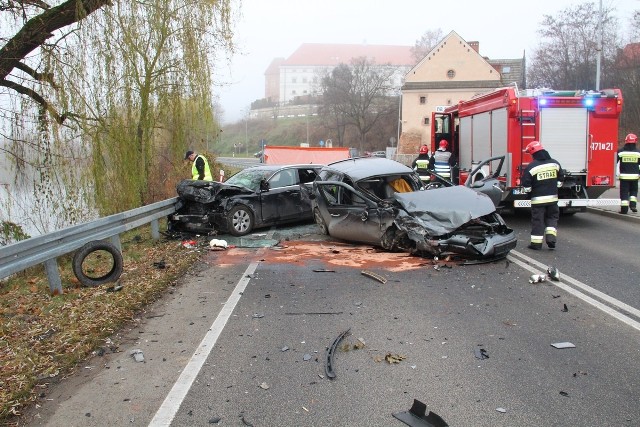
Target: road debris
[(258, 315), (561, 345), (481, 353), (417, 416), (331, 374), (537, 278), (323, 270), (501, 410), (306, 357), (137, 355), (160, 264), (285, 348), (218, 245), (374, 276), (264, 386), (564, 393), (394, 358), (553, 273), (565, 308), (189, 244)]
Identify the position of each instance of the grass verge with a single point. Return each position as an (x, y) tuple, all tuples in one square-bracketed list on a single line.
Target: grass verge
[(44, 337)]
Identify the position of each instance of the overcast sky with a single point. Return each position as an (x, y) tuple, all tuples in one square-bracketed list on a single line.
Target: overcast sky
[(268, 29)]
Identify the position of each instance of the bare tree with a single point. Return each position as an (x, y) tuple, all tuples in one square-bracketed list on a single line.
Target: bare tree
[(40, 22), (359, 95), (566, 56), (427, 42)]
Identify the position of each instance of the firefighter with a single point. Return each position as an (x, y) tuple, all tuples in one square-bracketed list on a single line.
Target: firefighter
[(442, 161), (200, 168), (628, 174), (421, 164), (541, 179)]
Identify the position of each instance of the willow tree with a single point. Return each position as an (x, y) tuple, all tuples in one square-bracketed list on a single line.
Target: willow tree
[(150, 65), (97, 96)]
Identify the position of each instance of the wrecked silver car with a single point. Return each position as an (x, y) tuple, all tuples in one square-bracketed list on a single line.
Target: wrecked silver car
[(256, 197), (383, 203)]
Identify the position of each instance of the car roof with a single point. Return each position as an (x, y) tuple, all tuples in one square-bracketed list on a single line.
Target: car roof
[(278, 167), (362, 167)]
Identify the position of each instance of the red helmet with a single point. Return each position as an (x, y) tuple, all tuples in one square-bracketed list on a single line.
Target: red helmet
[(533, 147), (631, 138), (424, 149), (443, 144)]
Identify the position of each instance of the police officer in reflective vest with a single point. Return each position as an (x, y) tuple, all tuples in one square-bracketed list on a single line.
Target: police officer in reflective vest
[(200, 168), (541, 179), (628, 174), (421, 164), (441, 162)]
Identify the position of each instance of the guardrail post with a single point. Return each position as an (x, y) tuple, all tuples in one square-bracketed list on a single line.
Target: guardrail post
[(115, 240), (51, 268), (155, 229)]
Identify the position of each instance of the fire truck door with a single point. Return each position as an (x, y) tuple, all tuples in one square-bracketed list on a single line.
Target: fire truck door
[(564, 133)]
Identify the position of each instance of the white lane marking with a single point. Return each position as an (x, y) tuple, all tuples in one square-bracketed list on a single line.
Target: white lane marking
[(172, 402), (605, 308)]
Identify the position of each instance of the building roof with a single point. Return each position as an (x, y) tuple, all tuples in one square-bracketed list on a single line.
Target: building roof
[(318, 54), (511, 70), (274, 67)]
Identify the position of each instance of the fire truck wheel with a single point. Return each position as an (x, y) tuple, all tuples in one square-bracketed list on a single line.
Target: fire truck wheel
[(92, 272)]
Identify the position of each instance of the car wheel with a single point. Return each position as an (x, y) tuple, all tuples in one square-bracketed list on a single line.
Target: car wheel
[(318, 219), (240, 221)]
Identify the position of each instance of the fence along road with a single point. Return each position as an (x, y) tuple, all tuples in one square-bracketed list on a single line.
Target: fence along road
[(48, 247)]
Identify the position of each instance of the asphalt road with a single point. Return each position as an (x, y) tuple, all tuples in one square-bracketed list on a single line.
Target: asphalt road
[(242, 339)]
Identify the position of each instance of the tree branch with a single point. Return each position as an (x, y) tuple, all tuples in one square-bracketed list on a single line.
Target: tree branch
[(36, 97)]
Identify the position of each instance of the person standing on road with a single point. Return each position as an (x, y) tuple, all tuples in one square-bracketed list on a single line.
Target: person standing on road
[(541, 179), (628, 174), (200, 168), (421, 165), (442, 161)]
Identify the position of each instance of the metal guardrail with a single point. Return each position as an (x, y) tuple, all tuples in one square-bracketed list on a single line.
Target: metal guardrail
[(45, 249)]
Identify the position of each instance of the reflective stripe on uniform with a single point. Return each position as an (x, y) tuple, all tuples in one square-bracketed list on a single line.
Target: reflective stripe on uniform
[(537, 239), (551, 230), (629, 176)]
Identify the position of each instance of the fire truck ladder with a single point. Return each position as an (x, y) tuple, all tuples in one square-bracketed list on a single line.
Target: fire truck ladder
[(528, 130)]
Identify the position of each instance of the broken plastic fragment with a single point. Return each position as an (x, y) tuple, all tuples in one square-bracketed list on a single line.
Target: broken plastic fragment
[(537, 278), (563, 345), (258, 315), (264, 386), (137, 354), (481, 353), (417, 416), (285, 348), (374, 276), (306, 357), (553, 273), (565, 308), (502, 410)]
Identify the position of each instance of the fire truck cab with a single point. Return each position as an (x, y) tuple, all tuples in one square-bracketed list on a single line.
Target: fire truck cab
[(579, 129)]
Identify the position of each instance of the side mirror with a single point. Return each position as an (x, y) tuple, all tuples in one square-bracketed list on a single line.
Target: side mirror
[(264, 185)]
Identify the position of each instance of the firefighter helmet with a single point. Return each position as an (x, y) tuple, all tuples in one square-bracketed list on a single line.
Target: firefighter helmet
[(443, 144), (631, 138), (424, 149), (533, 147)]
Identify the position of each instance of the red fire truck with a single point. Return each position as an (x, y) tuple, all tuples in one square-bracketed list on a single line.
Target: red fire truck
[(579, 129)]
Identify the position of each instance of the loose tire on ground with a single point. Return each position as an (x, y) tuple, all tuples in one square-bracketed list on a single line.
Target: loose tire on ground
[(81, 255)]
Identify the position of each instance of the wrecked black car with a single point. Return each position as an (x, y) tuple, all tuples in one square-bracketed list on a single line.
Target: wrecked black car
[(256, 197), (383, 203)]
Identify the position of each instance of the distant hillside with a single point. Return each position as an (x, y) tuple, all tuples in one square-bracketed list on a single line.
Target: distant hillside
[(287, 131)]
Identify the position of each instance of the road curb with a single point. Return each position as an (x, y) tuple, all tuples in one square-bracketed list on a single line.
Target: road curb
[(630, 217)]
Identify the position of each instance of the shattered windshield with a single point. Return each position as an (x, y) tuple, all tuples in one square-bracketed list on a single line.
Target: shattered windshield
[(249, 178)]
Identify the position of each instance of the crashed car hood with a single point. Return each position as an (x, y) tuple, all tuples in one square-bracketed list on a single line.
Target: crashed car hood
[(443, 210), (207, 191)]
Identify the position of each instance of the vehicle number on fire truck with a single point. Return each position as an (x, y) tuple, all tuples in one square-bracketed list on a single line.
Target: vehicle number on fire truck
[(597, 146)]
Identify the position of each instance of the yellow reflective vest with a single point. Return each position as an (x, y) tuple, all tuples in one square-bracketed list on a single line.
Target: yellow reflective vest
[(207, 171)]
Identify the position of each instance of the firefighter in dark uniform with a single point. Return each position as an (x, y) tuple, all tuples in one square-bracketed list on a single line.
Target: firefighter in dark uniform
[(421, 165), (541, 179), (442, 161), (628, 174)]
